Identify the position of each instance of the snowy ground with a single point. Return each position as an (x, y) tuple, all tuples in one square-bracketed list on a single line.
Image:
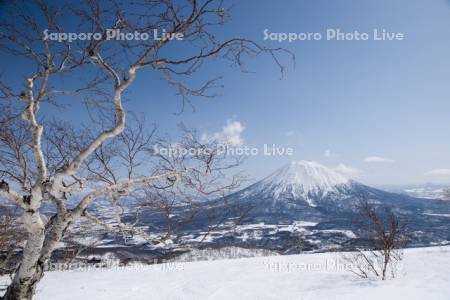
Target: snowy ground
[(425, 275)]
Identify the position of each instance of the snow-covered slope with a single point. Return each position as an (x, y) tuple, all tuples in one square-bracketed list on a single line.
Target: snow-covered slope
[(309, 176), (426, 191), (424, 275), (302, 181)]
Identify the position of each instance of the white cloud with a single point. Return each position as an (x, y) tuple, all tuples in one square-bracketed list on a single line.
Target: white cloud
[(347, 171), (230, 134), (439, 172), (378, 159), (289, 133), (328, 153)]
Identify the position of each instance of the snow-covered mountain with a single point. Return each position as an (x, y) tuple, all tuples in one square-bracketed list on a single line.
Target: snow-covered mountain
[(306, 180), (310, 176), (304, 206), (426, 191), (308, 184), (306, 191)]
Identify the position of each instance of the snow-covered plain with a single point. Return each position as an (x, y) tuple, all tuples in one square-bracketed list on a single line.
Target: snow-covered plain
[(425, 274)]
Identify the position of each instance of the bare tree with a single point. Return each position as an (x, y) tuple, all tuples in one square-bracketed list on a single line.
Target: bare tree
[(11, 240), (383, 236), (44, 159)]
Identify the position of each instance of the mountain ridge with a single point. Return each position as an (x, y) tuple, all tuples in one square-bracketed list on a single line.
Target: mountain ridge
[(307, 191)]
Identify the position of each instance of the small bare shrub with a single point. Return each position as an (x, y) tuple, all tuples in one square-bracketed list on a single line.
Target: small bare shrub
[(383, 237)]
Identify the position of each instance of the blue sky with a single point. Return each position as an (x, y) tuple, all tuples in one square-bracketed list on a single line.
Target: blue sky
[(346, 102), (379, 109)]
